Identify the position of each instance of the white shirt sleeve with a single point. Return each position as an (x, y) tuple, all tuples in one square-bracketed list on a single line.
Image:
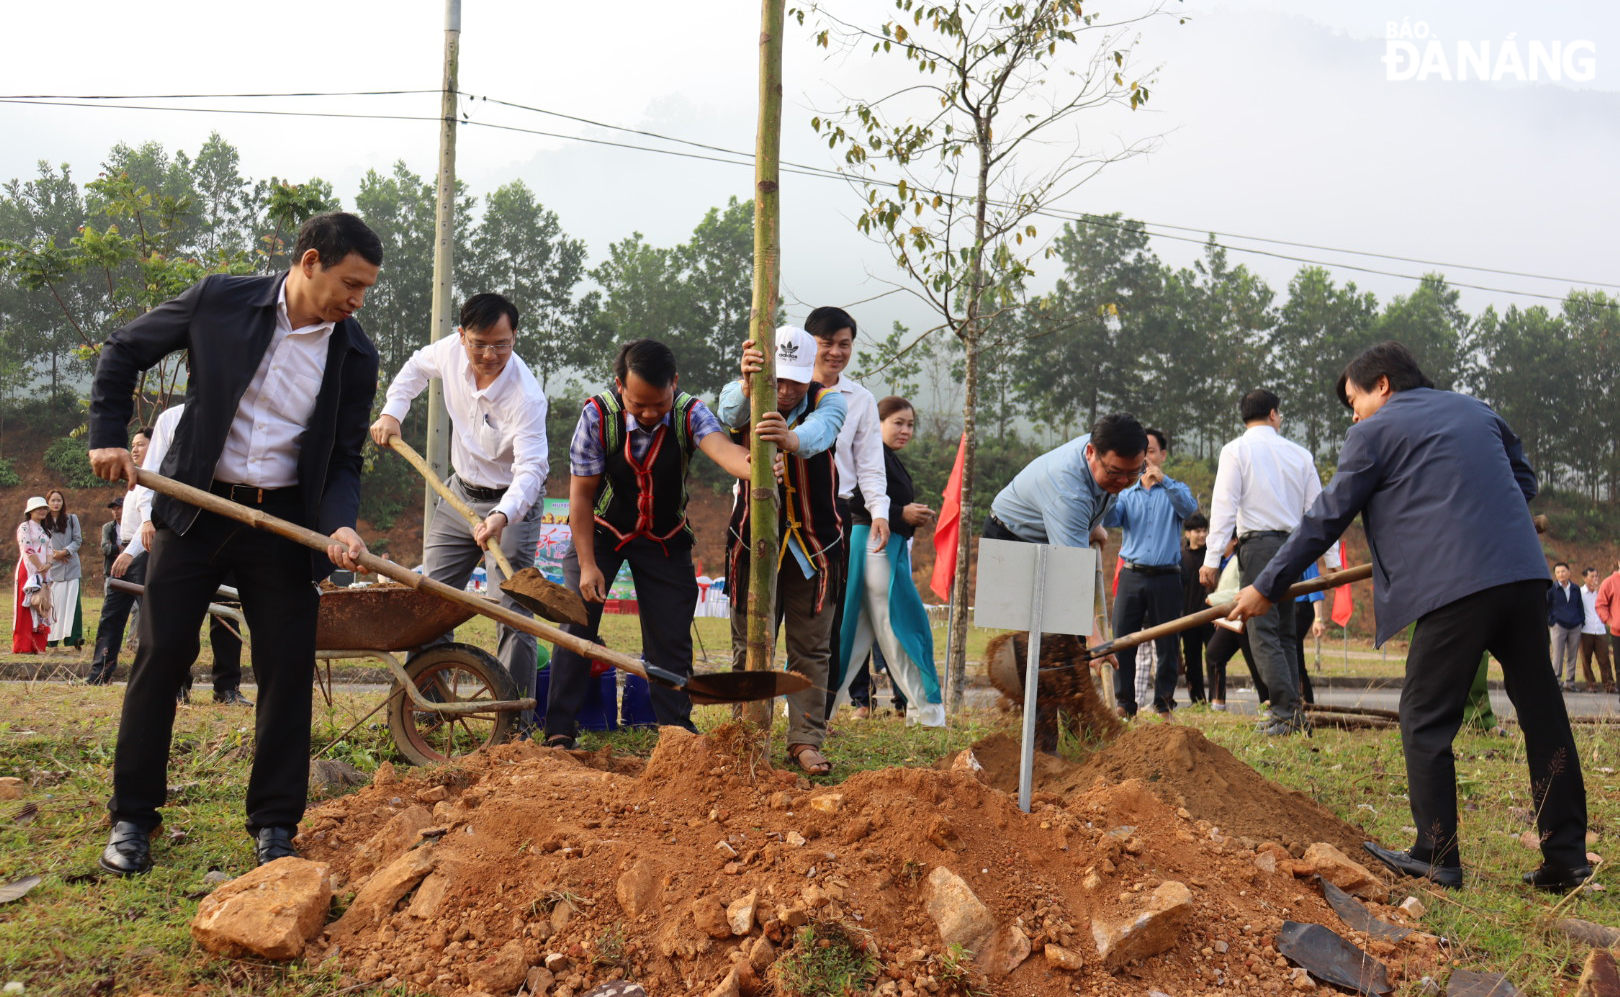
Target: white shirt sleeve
[(139, 502), (421, 367), (531, 461), (1223, 502), (867, 443)]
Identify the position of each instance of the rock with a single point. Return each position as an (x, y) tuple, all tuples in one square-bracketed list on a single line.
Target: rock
[(433, 794), (1006, 951), (617, 988), (1467, 983), (385, 775), (967, 763), (827, 803), (1588, 932), (556, 962), (711, 917), (1151, 929), (1344, 872), (1599, 978), (740, 913), (329, 776), (942, 835), (214, 877), (638, 888), (501, 971), (387, 887), (432, 891), (538, 981), (1591, 836), (1059, 957), (561, 915), (400, 833), (12, 987), (795, 839), (962, 918), (730, 986), (11, 788), (1265, 862), (1531, 840), (271, 912), (1413, 907), (761, 955)]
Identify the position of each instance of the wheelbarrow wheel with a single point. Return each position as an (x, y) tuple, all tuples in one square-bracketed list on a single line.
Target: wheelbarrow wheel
[(451, 673)]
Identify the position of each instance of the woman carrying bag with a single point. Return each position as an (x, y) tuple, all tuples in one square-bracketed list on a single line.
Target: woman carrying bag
[(31, 598), (880, 599), (66, 535)]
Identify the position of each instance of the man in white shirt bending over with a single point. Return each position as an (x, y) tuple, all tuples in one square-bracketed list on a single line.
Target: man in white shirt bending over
[(1263, 487), (498, 451)]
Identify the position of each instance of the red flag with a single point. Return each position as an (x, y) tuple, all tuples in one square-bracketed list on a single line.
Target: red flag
[(948, 528), (1343, 605)]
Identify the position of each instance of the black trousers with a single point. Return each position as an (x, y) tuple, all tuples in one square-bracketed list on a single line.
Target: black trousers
[(666, 594), (1140, 598), (1304, 619), (1510, 622), (1222, 645), (227, 647), (860, 689), (1192, 660), (114, 617), (280, 604)]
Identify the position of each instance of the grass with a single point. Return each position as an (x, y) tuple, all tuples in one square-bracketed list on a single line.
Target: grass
[(823, 962), (80, 934)]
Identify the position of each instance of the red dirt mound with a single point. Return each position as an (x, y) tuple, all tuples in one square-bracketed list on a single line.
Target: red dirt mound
[(572, 869)]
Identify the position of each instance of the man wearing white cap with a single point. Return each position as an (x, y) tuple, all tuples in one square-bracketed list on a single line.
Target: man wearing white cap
[(804, 429)]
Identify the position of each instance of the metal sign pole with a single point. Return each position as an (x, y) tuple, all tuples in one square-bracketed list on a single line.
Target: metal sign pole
[(1032, 674)]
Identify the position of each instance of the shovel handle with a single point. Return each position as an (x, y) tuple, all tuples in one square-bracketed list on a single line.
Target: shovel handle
[(1332, 579), (389, 569), (473, 519)]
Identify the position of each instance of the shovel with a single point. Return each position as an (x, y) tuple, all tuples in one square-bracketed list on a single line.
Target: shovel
[(719, 687), (528, 588)]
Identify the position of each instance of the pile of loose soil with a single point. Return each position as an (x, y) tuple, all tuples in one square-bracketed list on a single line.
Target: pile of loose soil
[(594, 868), (1185, 769)]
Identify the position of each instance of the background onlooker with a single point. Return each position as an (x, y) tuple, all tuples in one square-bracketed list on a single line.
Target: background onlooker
[(67, 536), (31, 630), (1594, 636), (1608, 609), (1565, 614)]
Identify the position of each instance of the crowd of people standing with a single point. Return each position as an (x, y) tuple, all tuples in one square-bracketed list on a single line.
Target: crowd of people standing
[(46, 603)]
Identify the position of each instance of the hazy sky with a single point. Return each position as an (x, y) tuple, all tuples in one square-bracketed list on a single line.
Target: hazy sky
[(1275, 118)]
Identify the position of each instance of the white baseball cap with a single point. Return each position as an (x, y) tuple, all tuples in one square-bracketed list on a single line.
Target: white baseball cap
[(795, 354), (37, 502)]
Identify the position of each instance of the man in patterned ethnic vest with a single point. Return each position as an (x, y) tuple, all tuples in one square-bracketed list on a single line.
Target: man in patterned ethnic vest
[(627, 505), (809, 568)]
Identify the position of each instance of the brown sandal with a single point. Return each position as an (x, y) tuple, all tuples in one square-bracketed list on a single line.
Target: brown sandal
[(808, 758)]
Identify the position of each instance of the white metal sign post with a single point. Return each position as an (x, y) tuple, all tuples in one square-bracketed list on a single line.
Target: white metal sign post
[(1039, 588)]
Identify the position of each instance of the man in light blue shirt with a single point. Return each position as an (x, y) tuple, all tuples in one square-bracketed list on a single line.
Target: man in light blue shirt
[(1062, 496), (804, 429), (1150, 513)]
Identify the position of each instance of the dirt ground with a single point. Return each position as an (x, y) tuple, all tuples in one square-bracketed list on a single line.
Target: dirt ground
[(602, 868)]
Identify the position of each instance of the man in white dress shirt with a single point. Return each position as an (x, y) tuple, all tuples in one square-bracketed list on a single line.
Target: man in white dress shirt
[(858, 457), (1263, 487), (498, 451)]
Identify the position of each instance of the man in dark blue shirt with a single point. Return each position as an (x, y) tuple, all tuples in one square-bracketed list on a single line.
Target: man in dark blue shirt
[(1565, 614), (1430, 472), (1150, 513)]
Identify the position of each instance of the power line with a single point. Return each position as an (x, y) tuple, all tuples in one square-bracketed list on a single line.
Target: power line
[(202, 96), (746, 159)]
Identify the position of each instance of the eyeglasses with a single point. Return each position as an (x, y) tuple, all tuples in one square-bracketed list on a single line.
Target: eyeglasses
[(497, 349), (1123, 474)]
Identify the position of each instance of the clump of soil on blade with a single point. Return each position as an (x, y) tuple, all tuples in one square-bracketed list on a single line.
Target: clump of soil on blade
[(692, 872)]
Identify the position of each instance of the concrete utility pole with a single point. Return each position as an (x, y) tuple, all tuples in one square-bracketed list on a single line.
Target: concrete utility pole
[(437, 448)]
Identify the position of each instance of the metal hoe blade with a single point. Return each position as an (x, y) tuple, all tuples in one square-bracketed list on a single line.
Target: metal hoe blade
[(741, 687)]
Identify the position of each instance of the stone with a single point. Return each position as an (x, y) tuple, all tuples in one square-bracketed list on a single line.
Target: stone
[(967, 763), (827, 803), (401, 831), (501, 971), (1531, 840), (433, 794), (387, 887), (942, 835), (1005, 952), (271, 912), (740, 913), (214, 877), (1413, 907), (795, 839), (1265, 862), (616, 988), (327, 776), (538, 981), (1588, 932), (1067, 960), (638, 888), (11, 788), (1344, 872), (561, 915), (556, 962), (962, 918), (1599, 977), (711, 917), (432, 891), (1152, 928), (1467, 983), (729, 986), (761, 954)]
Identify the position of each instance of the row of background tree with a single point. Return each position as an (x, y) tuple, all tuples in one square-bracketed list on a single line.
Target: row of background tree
[(1119, 329)]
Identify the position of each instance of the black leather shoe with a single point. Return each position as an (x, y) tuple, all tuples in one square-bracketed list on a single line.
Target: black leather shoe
[(1449, 876), (1556, 878), (233, 697), (273, 843), (128, 851)]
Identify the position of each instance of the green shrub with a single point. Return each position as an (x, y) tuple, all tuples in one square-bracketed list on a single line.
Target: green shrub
[(9, 478), (69, 459)]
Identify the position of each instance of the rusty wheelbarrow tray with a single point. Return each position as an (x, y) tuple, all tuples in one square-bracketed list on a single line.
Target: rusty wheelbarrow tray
[(384, 618)]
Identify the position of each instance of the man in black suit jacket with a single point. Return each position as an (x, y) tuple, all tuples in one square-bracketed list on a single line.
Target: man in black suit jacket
[(277, 406), (1430, 473)]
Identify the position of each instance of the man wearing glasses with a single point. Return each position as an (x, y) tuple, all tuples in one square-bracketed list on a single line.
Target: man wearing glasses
[(1062, 496), (1263, 488), (498, 451)]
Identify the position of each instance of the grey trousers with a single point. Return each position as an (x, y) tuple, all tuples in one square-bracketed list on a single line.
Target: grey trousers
[(1271, 635), (1566, 646), (808, 635), (449, 556)]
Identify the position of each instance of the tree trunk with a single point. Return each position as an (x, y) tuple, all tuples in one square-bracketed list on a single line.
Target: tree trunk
[(762, 506)]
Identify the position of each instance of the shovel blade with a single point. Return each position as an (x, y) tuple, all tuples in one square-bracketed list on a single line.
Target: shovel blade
[(743, 687), (544, 597)]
